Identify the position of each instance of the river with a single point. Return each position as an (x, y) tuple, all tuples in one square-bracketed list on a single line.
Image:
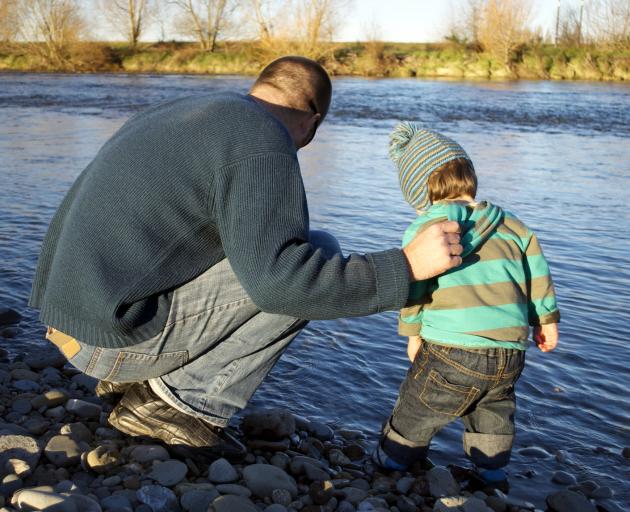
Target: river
[(557, 154)]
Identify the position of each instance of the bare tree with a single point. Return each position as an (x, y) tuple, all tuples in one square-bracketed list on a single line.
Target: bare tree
[(50, 26), (9, 21), (465, 21), (129, 18), (609, 22), (569, 23), (504, 25), (204, 20)]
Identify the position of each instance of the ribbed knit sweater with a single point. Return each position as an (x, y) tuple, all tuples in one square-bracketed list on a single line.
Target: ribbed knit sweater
[(502, 287), (178, 188)]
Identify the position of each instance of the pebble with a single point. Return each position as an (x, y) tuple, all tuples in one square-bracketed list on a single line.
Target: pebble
[(194, 501), (269, 424), (602, 493), (83, 409), (281, 496), (21, 406), (19, 467), (534, 452), (239, 490), (320, 430), (21, 447), (62, 451), (563, 478), (9, 316), (23, 374), (222, 472), (262, 479), (51, 398), (276, 507), (403, 486), (233, 503), (148, 453), (569, 501), (10, 484), (169, 472), (158, 498), (40, 359), (441, 482), (26, 385), (281, 460)]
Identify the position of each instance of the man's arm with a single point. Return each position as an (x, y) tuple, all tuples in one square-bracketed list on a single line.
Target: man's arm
[(262, 215)]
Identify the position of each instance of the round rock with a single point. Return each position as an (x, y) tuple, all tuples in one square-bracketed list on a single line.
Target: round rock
[(233, 504), (441, 482), (149, 452), (563, 478), (19, 447), (62, 451), (222, 472), (158, 498), (569, 501), (268, 424), (262, 479), (83, 409), (193, 501), (169, 472)]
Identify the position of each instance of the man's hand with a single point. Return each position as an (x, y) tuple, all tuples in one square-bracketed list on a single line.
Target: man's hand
[(434, 251), (413, 346), (546, 337)]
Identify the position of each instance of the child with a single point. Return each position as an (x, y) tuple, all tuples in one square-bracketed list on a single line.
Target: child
[(468, 328)]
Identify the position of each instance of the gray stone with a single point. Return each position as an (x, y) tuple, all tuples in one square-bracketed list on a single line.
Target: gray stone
[(51, 376), (36, 426), (373, 504), (26, 385), (112, 481), (535, 452), (281, 460), (262, 479), (239, 490), (233, 503), (30, 499), (22, 374), (403, 486), (276, 507), (62, 451), (148, 453), (298, 463), (19, 447), (56, 413), (77, 431), (222, 472), (9, 316), (158, 498), (281, 496), (345, 506), (338, 458), (449, 504), (194, 501), (474, 505), (602, 493), (102, 459), (21, 406), (18, 466), (405, 504), (83, 409), (84, 503), (563, 478), (625, 453), (353, 494), (117, 502), (85, 381), (313, 473), (10, 484), (268, 424), (43, 357), (441, 482), (320, 430), (569, 501), (169, 472), (51, 398)]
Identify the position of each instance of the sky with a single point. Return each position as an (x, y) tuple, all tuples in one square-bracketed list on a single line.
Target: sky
[(396, 20)]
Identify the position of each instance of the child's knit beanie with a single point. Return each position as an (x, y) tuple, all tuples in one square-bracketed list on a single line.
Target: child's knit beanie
[(417, 153)]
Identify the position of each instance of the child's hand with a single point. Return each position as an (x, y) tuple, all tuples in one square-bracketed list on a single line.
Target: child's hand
[(546, 336), (413, 346)]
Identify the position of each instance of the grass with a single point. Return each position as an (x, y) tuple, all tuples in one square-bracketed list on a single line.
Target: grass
[(374, 59)]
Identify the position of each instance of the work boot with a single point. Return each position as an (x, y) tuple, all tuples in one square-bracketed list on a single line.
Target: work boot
[(111, 391), (141, 412)]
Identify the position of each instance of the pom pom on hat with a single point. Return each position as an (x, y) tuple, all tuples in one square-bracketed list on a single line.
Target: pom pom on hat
[(400, 138)]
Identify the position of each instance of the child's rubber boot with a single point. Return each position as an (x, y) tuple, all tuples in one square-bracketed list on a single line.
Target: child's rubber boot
[(487, 480), (384, 461)]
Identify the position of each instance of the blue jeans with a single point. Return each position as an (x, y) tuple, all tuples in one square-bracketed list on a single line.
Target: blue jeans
[(445, 383), (215, 350)]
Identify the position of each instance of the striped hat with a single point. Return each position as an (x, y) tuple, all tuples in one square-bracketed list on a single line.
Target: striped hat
[(417, 153)]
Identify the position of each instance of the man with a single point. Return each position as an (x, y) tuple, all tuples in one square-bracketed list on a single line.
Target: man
[(181, 259)]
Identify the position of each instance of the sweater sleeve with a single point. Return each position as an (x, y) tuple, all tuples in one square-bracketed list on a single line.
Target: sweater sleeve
[(261, 211), (542, 305)]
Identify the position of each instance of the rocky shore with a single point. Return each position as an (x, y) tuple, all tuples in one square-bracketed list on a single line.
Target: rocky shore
[(58, 453)]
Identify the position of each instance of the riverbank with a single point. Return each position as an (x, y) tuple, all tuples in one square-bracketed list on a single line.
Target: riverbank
[(375, 59), (57, 450)]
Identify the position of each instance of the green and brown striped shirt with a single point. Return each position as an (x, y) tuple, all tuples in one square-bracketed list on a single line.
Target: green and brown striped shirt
[(502, 287)]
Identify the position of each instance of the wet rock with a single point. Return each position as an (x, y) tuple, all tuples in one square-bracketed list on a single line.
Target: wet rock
[(148, 453), (21, 406), (262, 479), (563, 478), (569, 501), (602, 493), (354, 452), (40, 359), (19, 447), (193, 501), (269, 424), (169, 472), (281, 460), (405, 504), (403, 486), (222, 472), (83, 409), (474, 505), (9, 316), (320, 430), (534, 452), (338, 458), (441, 482), (314, 473), (236, 489), (496, 503), (586, 487), (233, 503), (62, 451), (158, 498), (51, 398), (625, 453)]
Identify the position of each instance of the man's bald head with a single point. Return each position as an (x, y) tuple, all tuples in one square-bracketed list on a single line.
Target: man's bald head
[(302, 83)]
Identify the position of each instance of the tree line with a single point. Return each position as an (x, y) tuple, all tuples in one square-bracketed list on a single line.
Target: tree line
[(500, 27)]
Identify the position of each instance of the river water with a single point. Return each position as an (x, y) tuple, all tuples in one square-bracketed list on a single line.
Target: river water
[(555, 154)]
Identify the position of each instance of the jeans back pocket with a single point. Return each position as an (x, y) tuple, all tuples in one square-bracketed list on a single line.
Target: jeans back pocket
[(441, 396)]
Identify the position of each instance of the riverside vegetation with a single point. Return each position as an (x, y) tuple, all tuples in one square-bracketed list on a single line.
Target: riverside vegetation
[(371, 59), (57, 452)]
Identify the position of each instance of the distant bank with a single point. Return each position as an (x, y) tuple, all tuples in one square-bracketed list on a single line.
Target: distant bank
[(373, 59)]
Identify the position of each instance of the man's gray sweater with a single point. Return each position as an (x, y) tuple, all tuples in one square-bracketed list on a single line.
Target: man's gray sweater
[(178, 188)]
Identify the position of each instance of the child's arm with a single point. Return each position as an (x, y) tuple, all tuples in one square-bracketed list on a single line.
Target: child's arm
[(543, 309)]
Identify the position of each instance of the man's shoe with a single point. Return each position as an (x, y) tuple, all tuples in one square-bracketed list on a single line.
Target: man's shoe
[(111, 391), (141, 412)]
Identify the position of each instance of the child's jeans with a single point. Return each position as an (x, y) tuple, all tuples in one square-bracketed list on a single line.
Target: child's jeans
[(445, 383)]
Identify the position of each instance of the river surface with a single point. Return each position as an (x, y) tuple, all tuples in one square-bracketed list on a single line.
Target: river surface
[(556, 154)]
